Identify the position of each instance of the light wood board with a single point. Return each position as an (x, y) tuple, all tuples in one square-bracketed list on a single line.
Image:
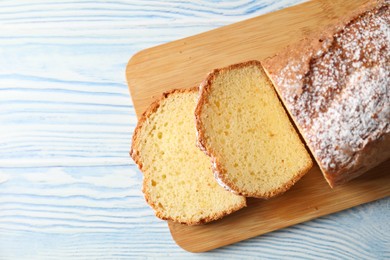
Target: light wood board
[(185, 63)]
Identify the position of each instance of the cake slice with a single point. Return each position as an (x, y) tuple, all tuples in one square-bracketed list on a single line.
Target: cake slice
[(243, 127), (178, 181)]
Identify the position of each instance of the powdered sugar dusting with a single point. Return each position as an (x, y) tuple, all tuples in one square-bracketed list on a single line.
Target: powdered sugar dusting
[(342, 101)]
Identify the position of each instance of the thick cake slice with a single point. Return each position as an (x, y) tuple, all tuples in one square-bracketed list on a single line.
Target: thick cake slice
[(243, 127), (178, 181), (336, 86)]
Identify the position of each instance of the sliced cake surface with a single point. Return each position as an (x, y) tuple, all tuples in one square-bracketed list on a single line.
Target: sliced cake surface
[(243, 127), (178, 180)]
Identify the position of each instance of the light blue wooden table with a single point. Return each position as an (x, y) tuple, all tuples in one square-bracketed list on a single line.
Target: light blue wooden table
[(68, 188)]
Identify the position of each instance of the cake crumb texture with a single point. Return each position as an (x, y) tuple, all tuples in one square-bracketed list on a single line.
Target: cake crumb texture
[(178, 180), (243, 127)]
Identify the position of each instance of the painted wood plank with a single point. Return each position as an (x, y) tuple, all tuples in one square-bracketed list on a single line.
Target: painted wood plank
[(68, 188)]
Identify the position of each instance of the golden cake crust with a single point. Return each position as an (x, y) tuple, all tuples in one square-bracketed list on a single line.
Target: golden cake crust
[(335, 85)]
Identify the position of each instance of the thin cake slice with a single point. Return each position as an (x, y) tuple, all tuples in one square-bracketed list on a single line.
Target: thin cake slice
[(243, 127), (178, 180)]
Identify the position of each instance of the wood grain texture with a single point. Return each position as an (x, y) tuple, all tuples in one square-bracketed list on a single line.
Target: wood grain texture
[(68, 188), (184, 63), (308, 199)]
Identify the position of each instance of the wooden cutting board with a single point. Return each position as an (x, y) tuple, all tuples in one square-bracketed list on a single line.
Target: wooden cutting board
[(185, 63)]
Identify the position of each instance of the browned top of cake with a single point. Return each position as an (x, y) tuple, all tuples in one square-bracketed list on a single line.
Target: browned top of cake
[(340, 95)]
